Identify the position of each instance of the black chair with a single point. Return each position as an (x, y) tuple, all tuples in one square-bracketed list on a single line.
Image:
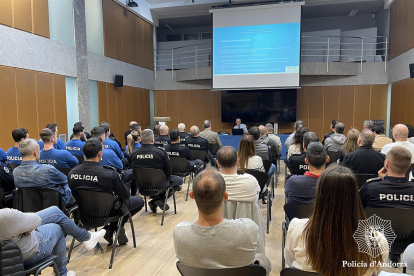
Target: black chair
[(224, 133), (362, 178), (36, 199), (37, 268), (149, 184), (250, 270), (199, 154), (95, 211), (80, 158), (293, 211), (214, 149), (2, 195), (179, 167), (401, 223), (267, 164), (65, 171), (291, 271), (333, 157), (13, 166), (407, 174), (262, 178)]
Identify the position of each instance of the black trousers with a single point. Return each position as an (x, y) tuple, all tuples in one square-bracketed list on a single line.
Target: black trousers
[(175, 182), (134, 205)]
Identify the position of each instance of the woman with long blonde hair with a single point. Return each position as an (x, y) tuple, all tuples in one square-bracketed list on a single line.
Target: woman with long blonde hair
[(350, 145), (133, 140)]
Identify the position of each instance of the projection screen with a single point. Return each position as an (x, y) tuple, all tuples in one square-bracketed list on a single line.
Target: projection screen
[(256, 47)]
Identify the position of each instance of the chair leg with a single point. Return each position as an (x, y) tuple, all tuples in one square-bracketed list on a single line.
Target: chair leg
[(175, 205), (165, 203), (283, 244), (115, 242), (268, 215), (132, 228), (404, 269), (188, 187), (71, 248), (55, 269), (145, 199)]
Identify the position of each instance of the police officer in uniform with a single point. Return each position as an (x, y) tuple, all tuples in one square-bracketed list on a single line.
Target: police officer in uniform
[(296, 162), (177, 150), (7, 184), (93, 177), (195, 142), (162, 139), (183, 134), (150, 156)]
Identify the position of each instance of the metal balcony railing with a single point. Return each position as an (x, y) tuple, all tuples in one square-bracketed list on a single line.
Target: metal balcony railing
[(326, 49)]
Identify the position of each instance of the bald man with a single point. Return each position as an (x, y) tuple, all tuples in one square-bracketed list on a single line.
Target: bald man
[(400, 135), (129, 131), (163, 138)]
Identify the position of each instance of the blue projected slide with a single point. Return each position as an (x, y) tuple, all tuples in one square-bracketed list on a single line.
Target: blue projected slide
[(259, 49)]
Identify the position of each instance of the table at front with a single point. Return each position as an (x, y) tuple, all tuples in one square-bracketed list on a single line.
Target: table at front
[(234, 140)]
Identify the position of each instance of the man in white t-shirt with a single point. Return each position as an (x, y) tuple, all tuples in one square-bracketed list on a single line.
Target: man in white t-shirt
[(242, 187), (400, 134)]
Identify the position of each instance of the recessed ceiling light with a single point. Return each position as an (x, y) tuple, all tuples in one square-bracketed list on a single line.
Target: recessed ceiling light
[(353, 12)]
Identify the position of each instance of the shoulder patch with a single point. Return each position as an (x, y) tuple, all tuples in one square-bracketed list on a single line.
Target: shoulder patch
[(376, 179), (6, 169)]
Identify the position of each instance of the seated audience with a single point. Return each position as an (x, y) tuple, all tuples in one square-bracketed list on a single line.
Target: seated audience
[(74, 146), (296, 163), (410, 133), (350, 145), (207, 242), (85, 135), (183, 134), (239, 125), (270, 134), (131, 124), (327, 135), (400, 135), (93, 177), (6, 180), (336, 140), (380, 139), (336, 214), (297, 147), (59, 144), (195, 142), (365, 159), (109, 143), (248, 160), (109, 157), (52, 156), (13, 154), (156, 130), (291, 139), (39, 235), (300, 189), (32, 174), (3, 157), (149, 156), (133, 141), (392, 189), (368, 124), (264, 139), (240, 187), (177, 150), (162, 139), (211, 136)]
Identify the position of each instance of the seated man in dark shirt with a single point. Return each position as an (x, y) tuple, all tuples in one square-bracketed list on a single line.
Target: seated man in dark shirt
[(296, 162), (177, 150), (392, 189), (149, 156), (162, 139), (92, 176), (365, 160), (7, 185), (300, 189), (196, 143), (183, 135)]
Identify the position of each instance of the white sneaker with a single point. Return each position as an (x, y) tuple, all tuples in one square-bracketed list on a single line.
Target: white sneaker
[(95, 238), (71, 273)]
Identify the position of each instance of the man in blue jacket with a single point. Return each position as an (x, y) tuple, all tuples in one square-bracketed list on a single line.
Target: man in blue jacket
[(52, 156), (110, 144), (75, 145), (13, 154), (59, 144)]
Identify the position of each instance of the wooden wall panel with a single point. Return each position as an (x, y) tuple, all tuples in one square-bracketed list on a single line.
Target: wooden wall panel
[(134, 39), (59, 90), (121, 124), (379, 103), (111, 107), (22, 15), (220, 126), (126, 37), (26, 101), (411, 23), (330, 107), (346, 106), (44, 99), (402, 97), (172, 108), (8, 95), (6, 13), (316, 110), (41, 17), (118, 18), (361, 105), (196, 108), (102, 102), (140, 40), (160, 104), (129, 115), (145, 108), (303, 105), (208, 100), (135, 95), (184, 112), (108, 25), (401, 22)]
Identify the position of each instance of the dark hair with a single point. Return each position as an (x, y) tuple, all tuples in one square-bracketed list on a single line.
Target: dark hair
[(299, 137), (92, 147), (78, 124), (208, 190), (339, 128), (316, 154), (97, 132), (19, 133), (399, 159), (77, 129), (309, 137), (246, 150), (227, 157), (334, 122), (174, 134), (52, 127), (410, 131), (337, 213), (105, 126), (156, 130), (46, 134), (378, 129), (135, 127), (298, 126), (255, 132)]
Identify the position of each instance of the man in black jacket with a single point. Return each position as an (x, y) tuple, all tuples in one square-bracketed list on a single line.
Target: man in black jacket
[(162, 139), (7, 184), (149, 156), (296, 162), (93, 177), (195, 142), (365, 159)]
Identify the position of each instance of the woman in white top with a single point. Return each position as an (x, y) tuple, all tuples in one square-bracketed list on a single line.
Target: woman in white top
[(248, 160), (297, 147), (330, 237)]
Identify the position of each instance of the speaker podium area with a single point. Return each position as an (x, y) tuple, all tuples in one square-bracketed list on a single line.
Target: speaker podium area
[(162, 120)]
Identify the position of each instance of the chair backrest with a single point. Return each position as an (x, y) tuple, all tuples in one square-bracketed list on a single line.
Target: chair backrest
[(179, 165), (13, 166), (299, 211), (149, 180), (291, 271), (80, 158), (36, 199), (333, 156), (214, 148), (223, 132), (65, 171), (2, 194), (199, 154), (11, 259), (407, 174), (362, 178), (402, 224), (261, 177), (250, 270), (267, 164), (94, 207)]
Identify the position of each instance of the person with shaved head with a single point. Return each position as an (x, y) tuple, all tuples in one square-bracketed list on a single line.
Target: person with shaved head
[(196, 143), (132, 124), (162, 139), (212, 241), (400, 135)]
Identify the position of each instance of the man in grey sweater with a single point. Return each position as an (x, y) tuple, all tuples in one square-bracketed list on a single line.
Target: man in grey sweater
[(212, 241), (336, 140), (42, 234)]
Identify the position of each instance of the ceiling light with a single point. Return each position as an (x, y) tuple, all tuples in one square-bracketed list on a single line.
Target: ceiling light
[(168, 27), (132, 4), (353, 12)]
